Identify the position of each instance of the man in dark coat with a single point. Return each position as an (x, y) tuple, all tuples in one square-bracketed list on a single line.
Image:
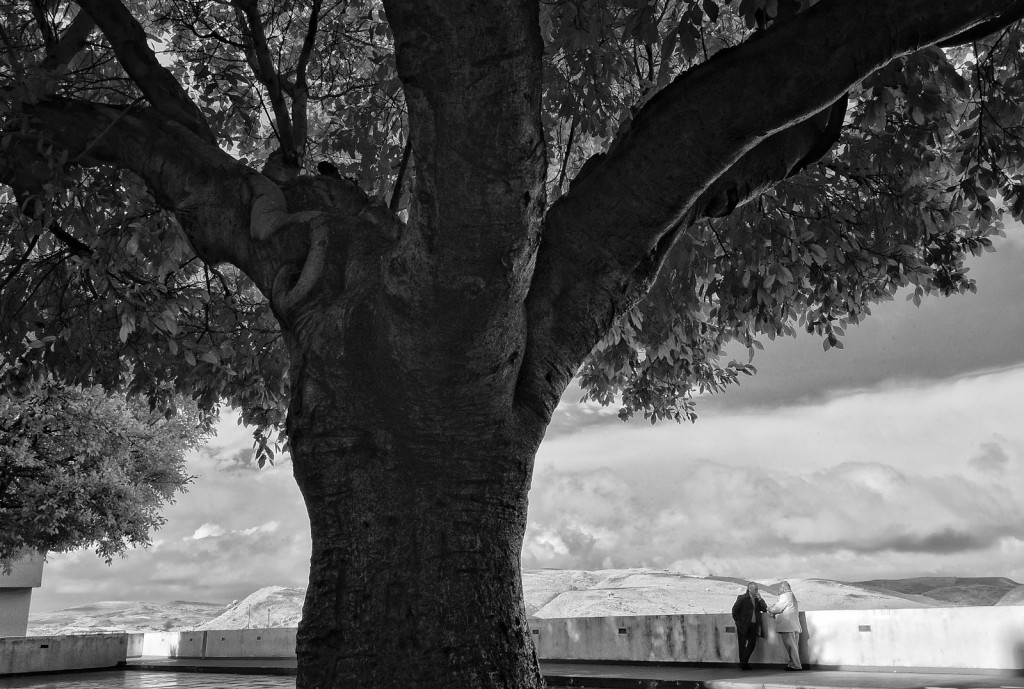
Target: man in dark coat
[(746, 612)]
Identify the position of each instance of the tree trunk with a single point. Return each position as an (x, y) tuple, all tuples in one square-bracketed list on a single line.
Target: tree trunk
[(418, 512)]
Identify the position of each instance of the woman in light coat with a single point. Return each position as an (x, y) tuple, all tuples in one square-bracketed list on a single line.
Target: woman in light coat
[(787, 623)]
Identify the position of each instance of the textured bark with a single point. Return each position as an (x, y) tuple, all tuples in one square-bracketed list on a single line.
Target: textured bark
[(414, 575), (986, 28), (418, 508), (472, 78)]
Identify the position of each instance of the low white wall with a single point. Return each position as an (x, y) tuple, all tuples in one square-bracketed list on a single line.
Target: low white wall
[(251, 643), (226, 643), (55, 653), (976, 638), (167, 644), (954, 639), (661, 638)]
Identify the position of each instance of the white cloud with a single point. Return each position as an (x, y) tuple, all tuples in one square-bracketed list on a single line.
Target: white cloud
[(207, 530), (895, 481), (269, 527), (216, 531)]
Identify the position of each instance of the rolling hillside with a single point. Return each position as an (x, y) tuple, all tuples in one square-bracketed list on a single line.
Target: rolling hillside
[(116, 616), (1014, 596), (958, 591), (555, 593), (271, 606)]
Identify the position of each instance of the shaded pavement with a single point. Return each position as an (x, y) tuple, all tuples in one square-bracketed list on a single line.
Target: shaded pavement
[(121, 679), (188, 673)]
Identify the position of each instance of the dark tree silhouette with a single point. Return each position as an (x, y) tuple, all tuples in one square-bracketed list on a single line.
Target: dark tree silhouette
[(532, 190)]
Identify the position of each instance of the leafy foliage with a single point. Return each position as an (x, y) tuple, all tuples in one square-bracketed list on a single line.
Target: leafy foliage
[(102, 288), (931, 144), (81, 468), (355, 109)]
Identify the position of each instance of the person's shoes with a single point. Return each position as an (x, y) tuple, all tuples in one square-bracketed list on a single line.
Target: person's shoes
[(744, 666), (794, 669)]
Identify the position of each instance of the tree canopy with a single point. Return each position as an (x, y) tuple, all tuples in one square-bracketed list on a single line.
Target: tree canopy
[(79, 468), (402, 227), (930, 143)]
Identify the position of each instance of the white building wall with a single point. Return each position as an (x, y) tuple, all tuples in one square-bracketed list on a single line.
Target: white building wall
[(16, 594)]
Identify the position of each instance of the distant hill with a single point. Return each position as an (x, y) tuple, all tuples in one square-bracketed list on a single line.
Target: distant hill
[(569, 593), (555, 593), (271, 606), (957, 591), (1013, 597), (116, 616)]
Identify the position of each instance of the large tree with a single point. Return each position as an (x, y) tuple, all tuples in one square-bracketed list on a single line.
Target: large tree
[(413, 222)]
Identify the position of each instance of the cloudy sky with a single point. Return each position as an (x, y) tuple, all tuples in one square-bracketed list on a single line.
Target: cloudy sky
[(900, 455)]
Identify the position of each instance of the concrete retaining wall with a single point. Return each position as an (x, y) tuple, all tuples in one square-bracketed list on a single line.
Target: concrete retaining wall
[(251, 643), (976, 638), (227, 643), (662, 638), (54, 653), (167, 644), (950, 639), (136, 643), (956, 638)]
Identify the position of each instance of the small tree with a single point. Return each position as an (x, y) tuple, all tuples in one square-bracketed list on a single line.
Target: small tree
[(413, 222), (80, 468)]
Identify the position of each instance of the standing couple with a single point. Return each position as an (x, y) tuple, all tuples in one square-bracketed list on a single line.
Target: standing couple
[(746, 612)]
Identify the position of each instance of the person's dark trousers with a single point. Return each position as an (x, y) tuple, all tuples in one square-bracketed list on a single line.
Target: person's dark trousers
[(748, 641)]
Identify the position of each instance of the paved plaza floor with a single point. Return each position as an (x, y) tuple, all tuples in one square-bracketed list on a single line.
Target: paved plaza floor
[(121, 679), (164, 673)]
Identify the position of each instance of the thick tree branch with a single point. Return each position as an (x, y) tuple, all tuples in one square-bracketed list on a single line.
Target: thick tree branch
[(604, 239), (39, 13), (162, 90), (295, 246), (263, 65), (185, 173), (60, 53), (987, 28), (75, 246), (779, 156), (300, 94)]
